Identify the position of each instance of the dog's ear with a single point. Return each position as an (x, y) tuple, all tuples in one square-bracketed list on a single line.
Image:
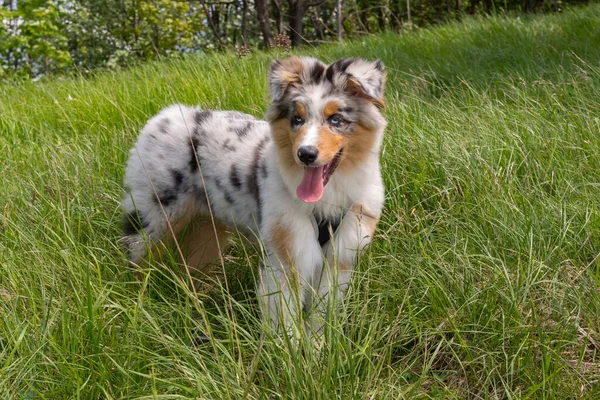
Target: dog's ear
[(360, 78), (284, 74)]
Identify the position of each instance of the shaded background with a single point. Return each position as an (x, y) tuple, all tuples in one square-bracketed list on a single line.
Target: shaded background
[(42, 37)]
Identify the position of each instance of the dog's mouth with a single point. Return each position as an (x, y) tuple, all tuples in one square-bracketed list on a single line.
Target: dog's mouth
[(313, 183)]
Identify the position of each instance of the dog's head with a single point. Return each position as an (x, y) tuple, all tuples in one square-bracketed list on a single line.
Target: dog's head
[(325, 118)]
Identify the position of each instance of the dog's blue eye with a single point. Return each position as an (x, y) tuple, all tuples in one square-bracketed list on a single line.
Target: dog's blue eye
[(335, 120), (297, 120)]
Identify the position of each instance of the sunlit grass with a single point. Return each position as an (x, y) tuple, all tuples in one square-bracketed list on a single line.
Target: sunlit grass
[(483, 281)]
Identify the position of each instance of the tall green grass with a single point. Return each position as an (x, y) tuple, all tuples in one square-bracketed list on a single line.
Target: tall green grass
[(483, 281)]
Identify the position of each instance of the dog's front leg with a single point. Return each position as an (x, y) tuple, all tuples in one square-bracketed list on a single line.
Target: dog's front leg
[(352, 236), (293, 255)]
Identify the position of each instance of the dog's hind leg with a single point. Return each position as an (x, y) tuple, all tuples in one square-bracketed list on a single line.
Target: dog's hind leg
[(179, 227), (201, 243)]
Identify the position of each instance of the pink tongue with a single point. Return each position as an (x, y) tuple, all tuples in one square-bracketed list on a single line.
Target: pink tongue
[(311, 187)]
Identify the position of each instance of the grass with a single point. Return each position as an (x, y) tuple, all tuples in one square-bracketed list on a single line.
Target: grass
[(483, 281)]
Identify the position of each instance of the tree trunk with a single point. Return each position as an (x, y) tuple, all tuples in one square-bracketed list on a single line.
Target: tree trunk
[(210, 17), (338, 18), (408, 11), (296, 14), (487, 5), (262, 12), (529, 6), (474, 6), (244, 27), (278, 16)]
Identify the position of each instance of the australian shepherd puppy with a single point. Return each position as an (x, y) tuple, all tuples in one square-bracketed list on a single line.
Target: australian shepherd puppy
[(306, 182)]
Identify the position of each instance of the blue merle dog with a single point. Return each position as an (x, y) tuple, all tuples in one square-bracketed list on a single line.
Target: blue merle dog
[(306, 181)]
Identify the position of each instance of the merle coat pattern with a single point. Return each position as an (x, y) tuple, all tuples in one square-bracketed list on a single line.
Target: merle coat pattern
[(314, 159)]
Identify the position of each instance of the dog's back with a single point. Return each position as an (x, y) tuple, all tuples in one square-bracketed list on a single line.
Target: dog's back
[(183, 155)]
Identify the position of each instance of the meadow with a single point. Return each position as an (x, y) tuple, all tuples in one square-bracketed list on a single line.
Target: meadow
[(483, 281)]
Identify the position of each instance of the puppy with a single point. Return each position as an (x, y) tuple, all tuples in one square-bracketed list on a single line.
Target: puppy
[(306, 181)]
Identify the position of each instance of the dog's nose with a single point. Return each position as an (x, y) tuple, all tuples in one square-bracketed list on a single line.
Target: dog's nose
[(308, 154)]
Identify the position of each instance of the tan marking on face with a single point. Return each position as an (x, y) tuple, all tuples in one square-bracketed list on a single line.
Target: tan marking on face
[(285, 142), (329, 145), (330, 109), (357, 147), (301, 110), (367, 221), (281, 236)]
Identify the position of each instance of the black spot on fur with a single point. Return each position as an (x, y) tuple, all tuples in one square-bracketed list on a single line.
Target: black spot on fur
[(228, 197), (243, 131), (177, 177), (199, 132), (201, 116), (234, 178), (345, 109), (316, 74), (252, 179), (166, 197), (342, 65), (194, 157), (263, 169), (329, 73), (282, 110), (163, 126), (227, 145), (338, 66), (324, 227), (133, 223)]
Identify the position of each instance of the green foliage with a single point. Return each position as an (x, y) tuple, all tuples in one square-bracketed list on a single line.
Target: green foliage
[(34, 42), (483, 280), (42, 37), (114, 32), (4, 16), (42, 27), (169, 25)]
